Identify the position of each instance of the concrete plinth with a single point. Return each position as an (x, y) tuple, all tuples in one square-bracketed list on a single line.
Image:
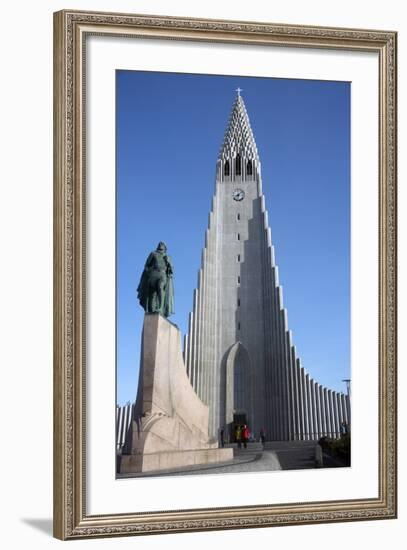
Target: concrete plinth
[(170, 425)]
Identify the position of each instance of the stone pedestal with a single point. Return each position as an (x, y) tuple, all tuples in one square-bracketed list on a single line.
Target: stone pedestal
[(170, 424)]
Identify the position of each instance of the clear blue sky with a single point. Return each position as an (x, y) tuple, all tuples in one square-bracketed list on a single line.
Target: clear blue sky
[(169, 131)]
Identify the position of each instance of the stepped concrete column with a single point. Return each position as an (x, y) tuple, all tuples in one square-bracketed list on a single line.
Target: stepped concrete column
[(170, 425)]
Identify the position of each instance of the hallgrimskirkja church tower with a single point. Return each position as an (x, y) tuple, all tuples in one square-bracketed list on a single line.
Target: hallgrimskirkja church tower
[(239, 353)]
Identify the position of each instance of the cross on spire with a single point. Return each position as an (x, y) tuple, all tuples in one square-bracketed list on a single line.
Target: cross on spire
[(238, 90)]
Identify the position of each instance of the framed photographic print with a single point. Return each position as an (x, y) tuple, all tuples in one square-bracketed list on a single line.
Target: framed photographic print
[(256, 156)]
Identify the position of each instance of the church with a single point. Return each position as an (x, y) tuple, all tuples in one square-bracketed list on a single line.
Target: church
[(239, 354)]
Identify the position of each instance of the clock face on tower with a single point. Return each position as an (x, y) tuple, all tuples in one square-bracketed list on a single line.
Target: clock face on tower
[(238, 194)]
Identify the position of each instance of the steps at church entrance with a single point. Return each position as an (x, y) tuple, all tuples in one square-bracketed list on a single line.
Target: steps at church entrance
[(296, 455), (252, 447)]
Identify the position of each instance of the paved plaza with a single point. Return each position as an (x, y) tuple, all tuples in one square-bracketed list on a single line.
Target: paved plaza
[(276, 455)]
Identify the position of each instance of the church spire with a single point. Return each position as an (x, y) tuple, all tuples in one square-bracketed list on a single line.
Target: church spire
[(238, 157)]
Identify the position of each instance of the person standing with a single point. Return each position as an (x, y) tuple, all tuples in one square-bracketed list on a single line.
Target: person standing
[(263, 436), (238, 436), (245, 435)]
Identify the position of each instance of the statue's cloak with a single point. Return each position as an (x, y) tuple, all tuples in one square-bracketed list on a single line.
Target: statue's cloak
[(169, 298)]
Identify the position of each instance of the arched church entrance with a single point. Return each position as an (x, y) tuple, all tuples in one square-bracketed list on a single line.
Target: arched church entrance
[(238, 400)]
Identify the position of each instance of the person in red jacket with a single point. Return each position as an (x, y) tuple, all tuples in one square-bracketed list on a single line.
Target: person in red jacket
[(245, 435)]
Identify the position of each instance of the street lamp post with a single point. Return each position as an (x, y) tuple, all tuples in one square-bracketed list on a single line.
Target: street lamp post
[(347, 382)]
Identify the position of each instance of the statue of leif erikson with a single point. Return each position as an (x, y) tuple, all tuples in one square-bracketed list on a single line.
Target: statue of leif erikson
[(155, 291)]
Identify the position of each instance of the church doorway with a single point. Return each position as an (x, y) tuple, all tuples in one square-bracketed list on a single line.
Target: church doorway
[(238, 399), (239, 420)]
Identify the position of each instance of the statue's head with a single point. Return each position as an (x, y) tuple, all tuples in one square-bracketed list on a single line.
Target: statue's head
[(161, 247)]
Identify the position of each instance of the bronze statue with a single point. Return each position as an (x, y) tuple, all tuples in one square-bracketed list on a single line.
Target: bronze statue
[(155, 291)]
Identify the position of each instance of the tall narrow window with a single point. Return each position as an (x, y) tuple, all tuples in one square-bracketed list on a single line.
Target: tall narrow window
[(238, 257), (238, 325), (238, 279), (249, 168), (238, 165), (238, 236), (227, 168), (238, 217), (238, 302)]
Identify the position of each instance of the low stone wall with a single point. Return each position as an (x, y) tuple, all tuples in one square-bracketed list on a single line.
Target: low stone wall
[(172, 459)]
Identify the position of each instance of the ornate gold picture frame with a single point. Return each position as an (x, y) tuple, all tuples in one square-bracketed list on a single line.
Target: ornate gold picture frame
[(72, 519)]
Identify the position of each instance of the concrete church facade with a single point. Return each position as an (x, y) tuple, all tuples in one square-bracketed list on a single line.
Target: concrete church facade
[(238, 352)]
